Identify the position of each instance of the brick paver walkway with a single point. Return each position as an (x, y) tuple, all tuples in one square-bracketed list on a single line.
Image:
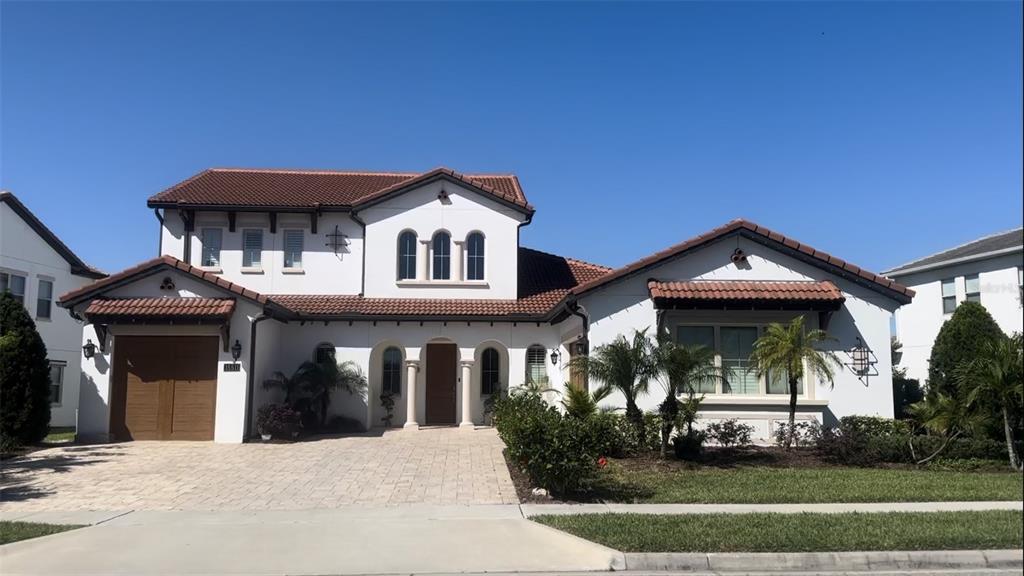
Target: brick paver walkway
[(435, 466)]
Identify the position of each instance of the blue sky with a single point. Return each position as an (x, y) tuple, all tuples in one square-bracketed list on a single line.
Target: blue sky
[(878, 132)]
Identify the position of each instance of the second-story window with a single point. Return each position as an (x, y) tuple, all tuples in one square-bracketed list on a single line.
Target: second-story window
[(293, 248), (475, 256), (442, 256), (211, 247), (948, 296), (44, 299), (14, 284), (973, 285), (252, 248), (407, 255)]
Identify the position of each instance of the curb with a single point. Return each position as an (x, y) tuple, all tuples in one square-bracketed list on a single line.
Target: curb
[(827, 561)]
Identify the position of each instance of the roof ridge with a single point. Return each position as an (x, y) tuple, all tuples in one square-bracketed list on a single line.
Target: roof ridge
[(950, 249), (328, 171)]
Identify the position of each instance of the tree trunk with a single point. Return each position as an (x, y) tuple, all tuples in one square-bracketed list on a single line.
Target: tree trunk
[(1014, 462), (941, 448), (792, 411), (634, 415), (669, 409), (324, 402)]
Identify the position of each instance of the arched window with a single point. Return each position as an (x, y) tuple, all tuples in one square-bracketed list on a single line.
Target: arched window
[(407, 255), (391, 371), (536, 373), (490, 371), (475, 256), (442, 256), (324, 353)]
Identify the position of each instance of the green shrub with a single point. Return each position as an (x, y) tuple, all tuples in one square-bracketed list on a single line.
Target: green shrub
[(961, 339), (729, 432), (24, 378), (804, 433), (689, 445), (874, 425)]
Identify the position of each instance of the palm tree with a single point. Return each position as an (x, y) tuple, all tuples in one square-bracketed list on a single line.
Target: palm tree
[(290, 385), (579, 402), (683, 370), (949, 416), (320, 379), (996, 378), (625, 365), (785, 349)]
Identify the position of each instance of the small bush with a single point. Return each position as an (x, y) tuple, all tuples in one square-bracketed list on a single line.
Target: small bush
[(278, 420), (729, 432), (804, 433), (24, 378), (689, 446)]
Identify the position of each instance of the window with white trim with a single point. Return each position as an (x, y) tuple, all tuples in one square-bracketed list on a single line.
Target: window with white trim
[(212, 239), (13, 284), (407, 255), (252, 248), (56, 382), (475, 256), (1020, 287), (490, 371), (293, 240), (44, 299), (948, 296), (391, 371), (442, 245), (973, 285), (698, 336), (733, 345), (536, 372)]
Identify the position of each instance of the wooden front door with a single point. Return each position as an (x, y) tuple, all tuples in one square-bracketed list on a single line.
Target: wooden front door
[(165, 388), (441, 383)]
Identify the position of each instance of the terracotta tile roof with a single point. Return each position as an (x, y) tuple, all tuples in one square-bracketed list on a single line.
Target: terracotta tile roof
[(737, 290), (544, 281), (78, 266), (154, 266), (763, 235), (310, 189), (152, 308)]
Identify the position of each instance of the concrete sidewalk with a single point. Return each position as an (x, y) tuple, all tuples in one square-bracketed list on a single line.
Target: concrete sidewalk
[(354, 540), (531, 510)]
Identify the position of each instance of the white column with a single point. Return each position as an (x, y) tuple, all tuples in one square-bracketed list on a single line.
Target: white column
[(411, 368), (423, 260), (467, 406), (457, 260)]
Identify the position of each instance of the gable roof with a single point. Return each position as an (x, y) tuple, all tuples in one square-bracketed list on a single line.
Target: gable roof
[(985, 247), (544, 282), (322, 189), (769, 238), (78, 266)]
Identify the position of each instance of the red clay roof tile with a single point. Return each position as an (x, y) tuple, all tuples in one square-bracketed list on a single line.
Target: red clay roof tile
[(150, 308), (735, 290)]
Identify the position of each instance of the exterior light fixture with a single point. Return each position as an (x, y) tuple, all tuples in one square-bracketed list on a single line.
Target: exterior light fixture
[(236, 350), (862, 361), (554, 356), (89, 349)]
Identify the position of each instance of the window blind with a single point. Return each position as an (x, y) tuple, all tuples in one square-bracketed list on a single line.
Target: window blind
[(293, 240), (252, 248)]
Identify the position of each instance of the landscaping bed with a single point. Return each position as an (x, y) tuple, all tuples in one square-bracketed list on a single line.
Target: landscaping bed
[(796, 532), (15, 531)]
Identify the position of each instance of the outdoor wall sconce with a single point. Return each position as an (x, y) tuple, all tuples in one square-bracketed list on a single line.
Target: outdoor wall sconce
[(554, 356), (862, 361), (89, 349), (236, 350)]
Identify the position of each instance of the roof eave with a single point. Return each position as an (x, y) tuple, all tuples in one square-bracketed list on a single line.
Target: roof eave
[(908, 270)]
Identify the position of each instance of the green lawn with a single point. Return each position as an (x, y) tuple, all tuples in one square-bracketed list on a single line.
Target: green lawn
[(799, 485), (796, 532), (14, 531), (60, 434)]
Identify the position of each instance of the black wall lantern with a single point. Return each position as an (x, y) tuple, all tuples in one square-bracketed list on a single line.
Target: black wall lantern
[(236, 350), (554, 356), (862, 361), (89, 349)]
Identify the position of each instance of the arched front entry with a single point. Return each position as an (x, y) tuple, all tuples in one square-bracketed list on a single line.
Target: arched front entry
[(441, 377)]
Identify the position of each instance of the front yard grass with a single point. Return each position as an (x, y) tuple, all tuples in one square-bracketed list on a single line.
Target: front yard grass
[(59, 434), (796, 532), (15, 531), (658, 482)]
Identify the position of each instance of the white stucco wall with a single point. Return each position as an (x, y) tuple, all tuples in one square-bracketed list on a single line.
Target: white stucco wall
[(24, 253), (624, 306), (918, 323)]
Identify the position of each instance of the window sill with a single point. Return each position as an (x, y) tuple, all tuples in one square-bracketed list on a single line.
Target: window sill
[(43, 319), (752, 400), (211, 269), (442, 284), (292, 271), (252, 270)]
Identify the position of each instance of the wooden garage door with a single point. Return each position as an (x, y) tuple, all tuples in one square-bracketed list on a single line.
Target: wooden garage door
[(165, 387)]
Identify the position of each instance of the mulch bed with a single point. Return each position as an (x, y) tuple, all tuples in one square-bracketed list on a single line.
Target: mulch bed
[(524, 489)]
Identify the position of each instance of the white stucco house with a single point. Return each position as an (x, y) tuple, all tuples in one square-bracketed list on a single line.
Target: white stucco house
[(989, 270), (420, 279), (36, 267)]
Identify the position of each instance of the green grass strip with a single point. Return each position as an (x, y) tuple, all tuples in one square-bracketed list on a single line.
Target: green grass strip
[(796, 532), (15, 531), (802, 485)]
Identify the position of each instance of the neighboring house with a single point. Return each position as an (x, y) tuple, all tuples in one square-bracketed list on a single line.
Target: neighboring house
[(420, 280), (36, 267), (987, 270)]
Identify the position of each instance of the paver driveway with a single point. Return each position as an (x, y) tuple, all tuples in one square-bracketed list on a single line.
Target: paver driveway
[(435, 466)]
